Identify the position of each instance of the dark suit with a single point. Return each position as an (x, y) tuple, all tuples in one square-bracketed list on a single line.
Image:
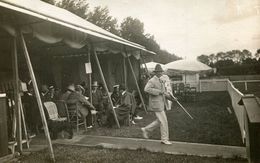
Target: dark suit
[(83, 103)]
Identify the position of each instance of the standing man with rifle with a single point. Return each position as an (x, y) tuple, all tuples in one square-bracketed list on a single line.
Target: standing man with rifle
[(157, 103)]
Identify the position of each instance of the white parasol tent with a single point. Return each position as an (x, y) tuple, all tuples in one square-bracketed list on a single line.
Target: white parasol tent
[(189, 69)]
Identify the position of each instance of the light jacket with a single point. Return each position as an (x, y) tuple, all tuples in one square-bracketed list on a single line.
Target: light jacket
[(155, 89)]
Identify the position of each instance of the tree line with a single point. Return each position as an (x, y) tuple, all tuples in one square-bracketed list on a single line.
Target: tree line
[(234, 62), (131, 29)]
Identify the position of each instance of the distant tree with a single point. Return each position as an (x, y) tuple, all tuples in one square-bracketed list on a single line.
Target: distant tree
[(224, 63), (151, 44), (219, 56), (100, 17), (246, 54), (204, 59), (78, 7), (132, 29), (249, 61), (257, 54), (236, 55), (212, 58)]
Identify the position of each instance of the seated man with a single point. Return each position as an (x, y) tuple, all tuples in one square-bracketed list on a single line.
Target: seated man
[(123, 108), (97, 101), (84, 105), (115, 96)]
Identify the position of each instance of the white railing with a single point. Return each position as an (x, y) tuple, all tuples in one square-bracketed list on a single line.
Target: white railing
[(236, 96), (246, 82), (213, 85)]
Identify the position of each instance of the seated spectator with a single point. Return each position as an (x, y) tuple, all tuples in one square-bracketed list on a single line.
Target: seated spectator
[(45, 96), (97, 102), (123, 110), (69, 90), (84, 105), (115, 96), (32, 112)]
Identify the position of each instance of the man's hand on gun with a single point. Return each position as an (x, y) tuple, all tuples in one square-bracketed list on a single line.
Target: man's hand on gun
[(170, 96)]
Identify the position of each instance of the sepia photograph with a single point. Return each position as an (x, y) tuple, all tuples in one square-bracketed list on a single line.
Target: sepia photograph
[(130, 81)]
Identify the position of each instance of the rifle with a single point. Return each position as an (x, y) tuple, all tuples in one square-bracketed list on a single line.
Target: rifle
[(174, 99)]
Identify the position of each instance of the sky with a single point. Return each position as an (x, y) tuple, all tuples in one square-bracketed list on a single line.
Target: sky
[(189, 28)]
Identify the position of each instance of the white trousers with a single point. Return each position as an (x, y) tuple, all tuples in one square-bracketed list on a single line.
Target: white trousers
[(161, 120)]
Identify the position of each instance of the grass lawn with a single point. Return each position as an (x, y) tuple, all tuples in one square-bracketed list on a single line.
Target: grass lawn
[(212, 123), (64, 154)]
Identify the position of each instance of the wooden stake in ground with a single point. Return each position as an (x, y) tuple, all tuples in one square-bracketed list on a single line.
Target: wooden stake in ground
[(105, 85), (37, 94), (137, 86)]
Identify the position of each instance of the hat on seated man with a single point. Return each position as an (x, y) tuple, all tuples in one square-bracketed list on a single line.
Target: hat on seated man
[(95, 84)]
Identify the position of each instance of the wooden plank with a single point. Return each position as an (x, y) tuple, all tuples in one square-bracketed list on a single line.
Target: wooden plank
[(252, 108)]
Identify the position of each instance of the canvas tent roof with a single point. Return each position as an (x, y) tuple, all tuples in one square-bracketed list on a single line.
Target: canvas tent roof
[(187, 66), (52, 24)]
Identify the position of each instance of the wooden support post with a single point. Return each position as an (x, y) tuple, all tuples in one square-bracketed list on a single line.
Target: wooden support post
[(89, 78), (105, 85), (145, 66), (137, 86), (16, 98), (125, 72), (24, 125), (245, 85), (37, 94)]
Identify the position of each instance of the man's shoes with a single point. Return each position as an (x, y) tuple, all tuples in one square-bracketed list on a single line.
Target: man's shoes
[(145, 133), (166, 142), (138, 117)]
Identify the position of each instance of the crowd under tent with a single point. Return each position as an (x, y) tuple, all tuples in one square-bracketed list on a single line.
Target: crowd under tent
[(39, 37)]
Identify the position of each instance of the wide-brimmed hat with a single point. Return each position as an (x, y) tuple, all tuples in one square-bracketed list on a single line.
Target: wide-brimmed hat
[(116, 86), (95, 84), (71, 88), (79, 87), (158, 68)]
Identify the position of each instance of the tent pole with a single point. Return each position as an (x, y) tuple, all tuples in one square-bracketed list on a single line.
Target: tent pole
[(140, 94), (89, 78), (125, 72), (37, 94), (105, 85), (16, 97)]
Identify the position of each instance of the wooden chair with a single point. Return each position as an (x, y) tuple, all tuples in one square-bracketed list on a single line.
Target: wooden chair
[(74, 116), (52, 111), (55, 122)]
